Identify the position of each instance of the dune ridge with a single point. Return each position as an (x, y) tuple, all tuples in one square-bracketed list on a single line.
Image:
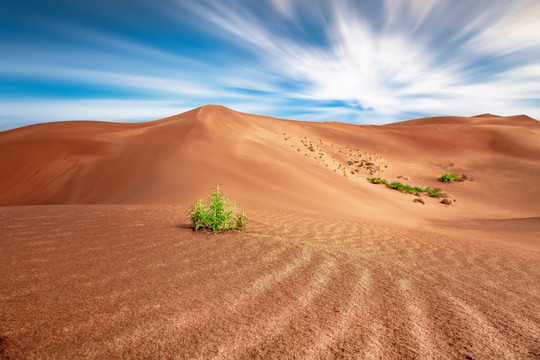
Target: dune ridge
[(169, 160), (98, 259)]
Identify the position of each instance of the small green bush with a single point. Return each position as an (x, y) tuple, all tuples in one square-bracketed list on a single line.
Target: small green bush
[(215, 215), (377, 180), (452, 177), (407, 188), (435, 193)]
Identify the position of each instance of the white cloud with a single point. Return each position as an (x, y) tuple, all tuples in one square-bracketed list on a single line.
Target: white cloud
[(284, 7), (163, 85), (394, 72), (422, 56), (515, 29)]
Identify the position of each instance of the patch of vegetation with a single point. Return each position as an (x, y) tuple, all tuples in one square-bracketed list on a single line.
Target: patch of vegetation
[(377, 180), (215, 215), (452, 177), (435, 193), (407, 188)]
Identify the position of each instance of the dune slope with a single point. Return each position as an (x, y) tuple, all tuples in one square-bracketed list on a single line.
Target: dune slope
[(279, 162)]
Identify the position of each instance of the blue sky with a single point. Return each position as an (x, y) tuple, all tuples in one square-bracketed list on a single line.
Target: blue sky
[(358, 61)]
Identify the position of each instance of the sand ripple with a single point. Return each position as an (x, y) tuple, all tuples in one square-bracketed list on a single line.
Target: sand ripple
[(129, 281)]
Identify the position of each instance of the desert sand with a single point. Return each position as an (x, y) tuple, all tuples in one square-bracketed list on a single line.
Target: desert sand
[(99, 261)]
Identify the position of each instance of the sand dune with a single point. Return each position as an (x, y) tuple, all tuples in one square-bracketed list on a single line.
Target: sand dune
[(331, 266)]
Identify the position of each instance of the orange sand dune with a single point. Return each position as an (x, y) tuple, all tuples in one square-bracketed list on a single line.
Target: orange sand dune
[(330, 266)]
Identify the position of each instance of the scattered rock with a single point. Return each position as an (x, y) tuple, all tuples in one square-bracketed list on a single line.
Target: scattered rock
[(420, 200), (446, 201), (350, 163)]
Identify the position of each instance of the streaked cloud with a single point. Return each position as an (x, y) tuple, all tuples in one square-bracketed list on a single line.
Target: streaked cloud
[(353, 61)]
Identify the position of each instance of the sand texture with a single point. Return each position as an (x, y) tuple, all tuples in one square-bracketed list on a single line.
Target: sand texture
[(99, 261)]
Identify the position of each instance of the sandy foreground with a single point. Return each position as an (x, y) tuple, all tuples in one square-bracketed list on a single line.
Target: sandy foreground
[(98, 259)]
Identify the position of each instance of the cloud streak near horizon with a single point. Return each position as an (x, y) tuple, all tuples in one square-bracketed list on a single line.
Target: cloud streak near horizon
[(351, 61)]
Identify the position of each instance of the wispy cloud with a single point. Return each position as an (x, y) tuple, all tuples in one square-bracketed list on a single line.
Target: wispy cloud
[(364, 62), (419, 59)]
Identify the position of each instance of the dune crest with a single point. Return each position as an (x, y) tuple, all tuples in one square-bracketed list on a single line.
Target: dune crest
[(173, 159)]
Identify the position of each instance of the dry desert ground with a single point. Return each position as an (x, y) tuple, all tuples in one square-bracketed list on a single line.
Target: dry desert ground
[(98, 259)]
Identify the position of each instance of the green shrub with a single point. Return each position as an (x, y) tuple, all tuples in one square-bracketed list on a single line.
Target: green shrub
[(377, 180), (215, 215), (407, 188), (452, 177), (435, 193)]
